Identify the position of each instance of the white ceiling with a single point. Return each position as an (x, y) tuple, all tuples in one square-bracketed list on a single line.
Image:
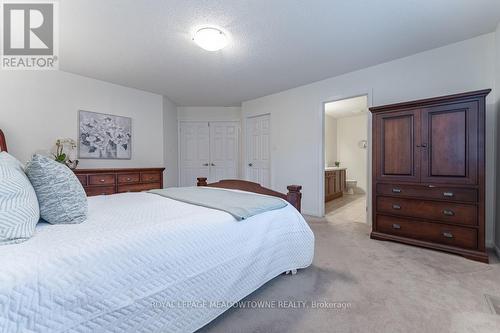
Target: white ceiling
[(347, 107), (275, 44)]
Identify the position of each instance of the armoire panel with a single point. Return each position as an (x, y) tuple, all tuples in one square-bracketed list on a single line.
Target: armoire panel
[(448, 144), (398, 143), (395, 154)]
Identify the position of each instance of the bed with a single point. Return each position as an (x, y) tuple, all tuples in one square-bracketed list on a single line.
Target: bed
[(146, 263)]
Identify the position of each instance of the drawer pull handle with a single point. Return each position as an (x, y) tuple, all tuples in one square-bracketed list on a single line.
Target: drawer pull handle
[(129, 179), (448, 212), (448, 194), (396, 207), (102, 180), (447, 234), (396, 190), (396, 226)]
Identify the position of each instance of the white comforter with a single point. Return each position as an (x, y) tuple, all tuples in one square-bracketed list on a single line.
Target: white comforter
[(145, 263)]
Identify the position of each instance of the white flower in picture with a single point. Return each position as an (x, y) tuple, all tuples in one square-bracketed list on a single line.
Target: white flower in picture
[(104, 136)]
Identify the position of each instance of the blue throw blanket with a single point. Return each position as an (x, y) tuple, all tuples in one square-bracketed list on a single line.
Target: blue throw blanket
[(241, 205)]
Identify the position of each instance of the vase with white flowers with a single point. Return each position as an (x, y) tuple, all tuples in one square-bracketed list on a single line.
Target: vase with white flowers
[(64, 150)]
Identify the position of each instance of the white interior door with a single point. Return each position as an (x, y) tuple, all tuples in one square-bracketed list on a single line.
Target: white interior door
[(258, 150), (194, 152), (224, 150)]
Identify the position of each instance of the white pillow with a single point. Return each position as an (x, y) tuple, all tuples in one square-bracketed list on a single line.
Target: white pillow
[(19, 211)]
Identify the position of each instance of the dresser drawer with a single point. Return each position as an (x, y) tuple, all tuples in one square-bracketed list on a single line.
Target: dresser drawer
[(99, 190), (150, 177), (426, 231), (129, 178), (434, 210), (138, 187), (439, 193), (102, 179), (82, 179)]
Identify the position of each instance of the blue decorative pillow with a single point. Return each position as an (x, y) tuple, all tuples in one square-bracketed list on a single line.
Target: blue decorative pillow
[(61, 196), (19, 212)]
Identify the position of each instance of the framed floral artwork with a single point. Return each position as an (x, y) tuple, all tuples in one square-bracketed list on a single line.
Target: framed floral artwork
[(104, 136)]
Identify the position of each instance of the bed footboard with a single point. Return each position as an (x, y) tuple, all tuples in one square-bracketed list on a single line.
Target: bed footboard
[(294, 195)]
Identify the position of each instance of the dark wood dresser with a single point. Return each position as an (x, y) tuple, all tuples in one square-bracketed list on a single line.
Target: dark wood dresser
[(428, 173), (110, 181), (335, 183)]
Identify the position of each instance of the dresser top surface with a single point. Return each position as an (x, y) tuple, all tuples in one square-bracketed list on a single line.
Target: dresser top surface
[(118, 170)]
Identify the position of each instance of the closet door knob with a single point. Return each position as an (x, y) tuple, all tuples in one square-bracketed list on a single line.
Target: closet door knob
[(211, 164), (205, 164), (250, 164)]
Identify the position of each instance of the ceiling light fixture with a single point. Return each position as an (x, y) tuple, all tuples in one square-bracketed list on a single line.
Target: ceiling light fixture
[(210, 39)]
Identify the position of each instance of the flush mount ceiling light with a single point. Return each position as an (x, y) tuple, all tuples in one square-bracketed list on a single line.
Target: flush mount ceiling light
[(210, 39)]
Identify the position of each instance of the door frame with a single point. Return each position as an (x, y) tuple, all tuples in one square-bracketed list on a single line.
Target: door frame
[(321, 168), (244, 141)]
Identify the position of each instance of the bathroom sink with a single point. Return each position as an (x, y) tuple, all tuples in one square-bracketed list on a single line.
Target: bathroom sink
[(334, 168)]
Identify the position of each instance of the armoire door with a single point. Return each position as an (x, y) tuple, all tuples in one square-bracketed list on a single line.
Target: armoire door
[(396, 155), (224, 150), (450, 143), (194, 144)]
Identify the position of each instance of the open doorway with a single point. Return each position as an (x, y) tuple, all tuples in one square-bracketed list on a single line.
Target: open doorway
[(346, 159)]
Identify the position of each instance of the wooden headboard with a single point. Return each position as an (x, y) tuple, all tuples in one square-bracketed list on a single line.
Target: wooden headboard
[(294, 196), (3, 143)]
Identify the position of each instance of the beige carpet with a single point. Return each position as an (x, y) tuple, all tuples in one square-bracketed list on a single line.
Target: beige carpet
[(383, 286)]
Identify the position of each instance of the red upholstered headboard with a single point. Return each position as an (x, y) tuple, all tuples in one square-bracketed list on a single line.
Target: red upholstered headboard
[(3, 143)]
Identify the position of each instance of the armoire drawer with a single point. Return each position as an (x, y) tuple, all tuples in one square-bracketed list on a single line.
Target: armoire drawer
[(427, 231), (433, 210), (426, 192)]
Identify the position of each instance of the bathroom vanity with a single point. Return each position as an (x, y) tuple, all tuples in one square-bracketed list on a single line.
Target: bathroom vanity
[(335, 182)]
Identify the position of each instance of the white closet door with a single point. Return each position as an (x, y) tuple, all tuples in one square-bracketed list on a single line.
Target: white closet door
[(194, 152), (258, 150), (224, 150)]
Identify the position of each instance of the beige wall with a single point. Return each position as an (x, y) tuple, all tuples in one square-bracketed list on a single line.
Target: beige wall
[(330, 140), (297, 114), (350, 131), (40, 106)]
